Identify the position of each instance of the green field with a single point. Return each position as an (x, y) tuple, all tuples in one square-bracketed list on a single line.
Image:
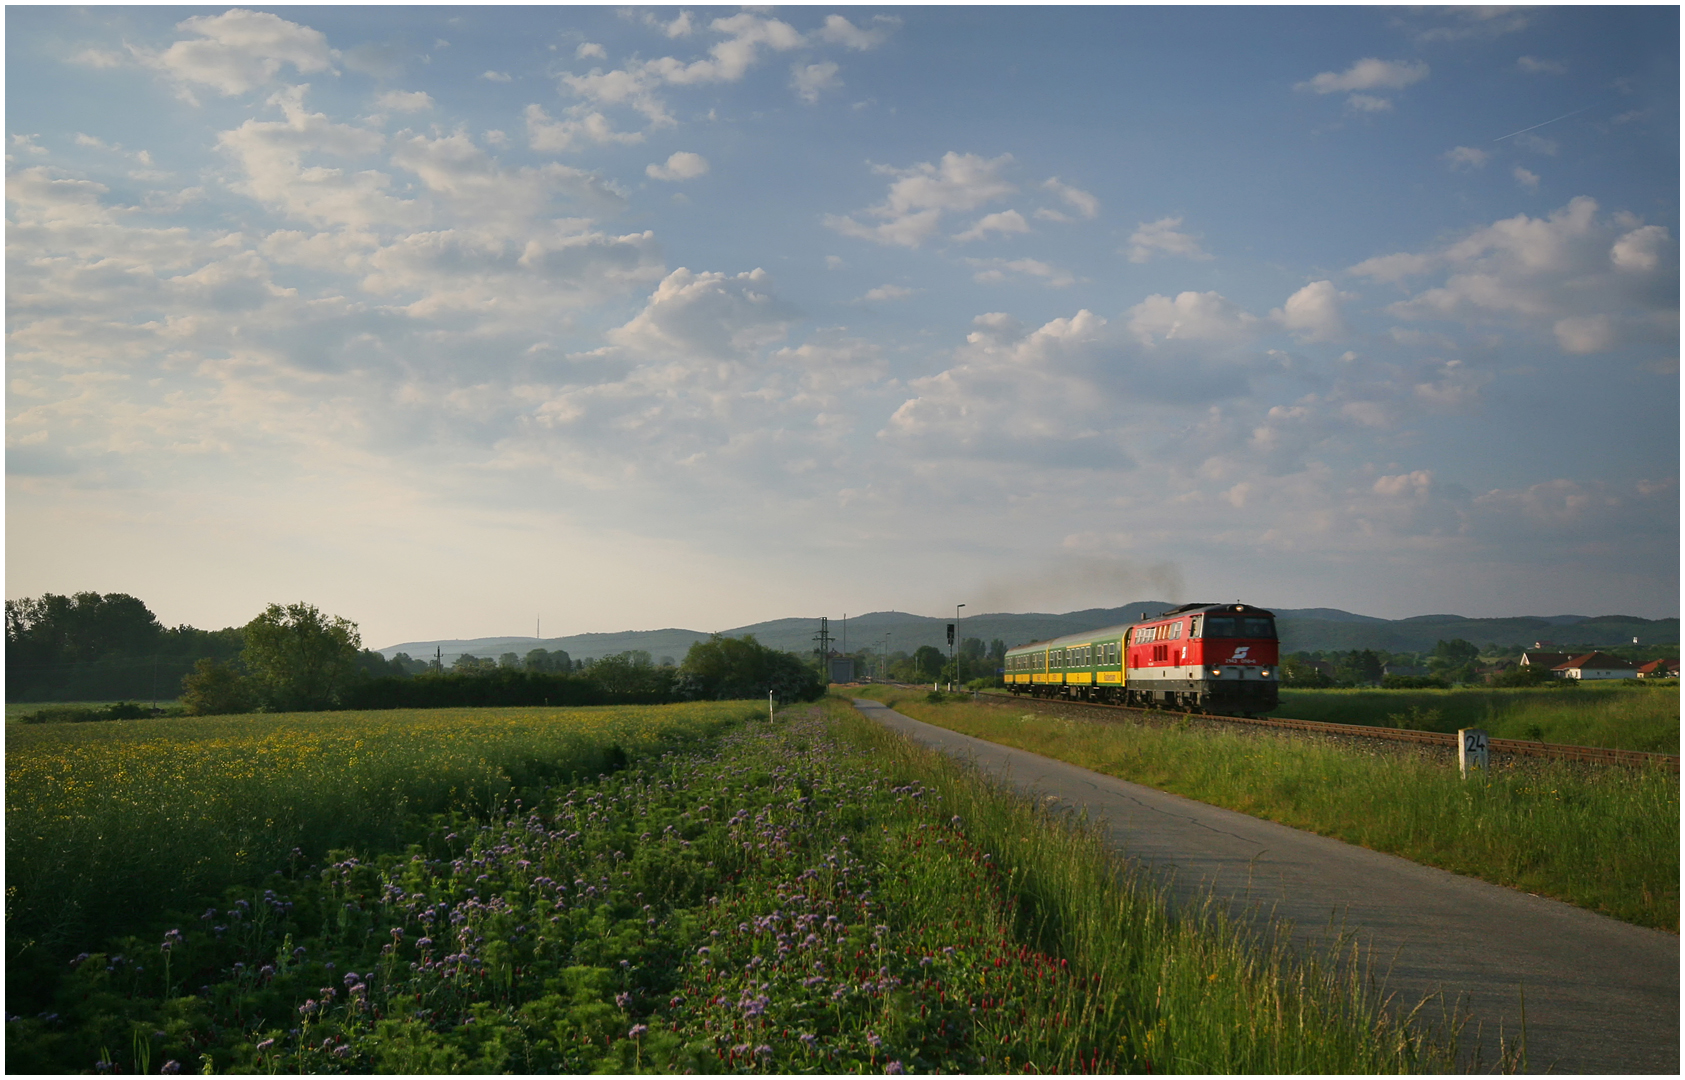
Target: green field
[(17, 710), (1623, 714), (678, 888), (1604, 838)]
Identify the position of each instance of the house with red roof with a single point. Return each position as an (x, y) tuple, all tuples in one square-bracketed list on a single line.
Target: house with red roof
[(1659, 669), (1596, 665)]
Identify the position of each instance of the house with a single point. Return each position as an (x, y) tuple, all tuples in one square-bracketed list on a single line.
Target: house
[(1533, 658), (1596, 665), (1659, 669), (840, 668)]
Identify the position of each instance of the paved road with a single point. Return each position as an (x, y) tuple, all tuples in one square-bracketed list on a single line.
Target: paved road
[(1602, 996)]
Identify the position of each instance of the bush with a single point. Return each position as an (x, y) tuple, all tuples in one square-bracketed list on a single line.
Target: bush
[(1414, 682), (727, 669), (83, 714), (215, 689), (1526, 676)]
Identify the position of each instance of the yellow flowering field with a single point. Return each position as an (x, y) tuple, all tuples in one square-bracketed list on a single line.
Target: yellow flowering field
[(109, 822)]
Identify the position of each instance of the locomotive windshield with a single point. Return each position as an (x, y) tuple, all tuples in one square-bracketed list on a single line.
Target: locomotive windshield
[(1230, 626)]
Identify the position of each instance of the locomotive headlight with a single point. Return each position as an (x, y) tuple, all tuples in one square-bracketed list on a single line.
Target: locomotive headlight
[(1216, 672), (1265, 673)]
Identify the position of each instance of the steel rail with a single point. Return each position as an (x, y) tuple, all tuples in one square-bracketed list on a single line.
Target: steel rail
[(1520, 747)]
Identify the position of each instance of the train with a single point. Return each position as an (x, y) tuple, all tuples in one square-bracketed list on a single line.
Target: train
[(1197, 657)]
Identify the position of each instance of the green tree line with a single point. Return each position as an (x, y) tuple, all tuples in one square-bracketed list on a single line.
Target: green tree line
[(294, 658)]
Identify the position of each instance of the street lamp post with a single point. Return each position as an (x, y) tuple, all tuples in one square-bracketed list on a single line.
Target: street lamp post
[(956, 648)]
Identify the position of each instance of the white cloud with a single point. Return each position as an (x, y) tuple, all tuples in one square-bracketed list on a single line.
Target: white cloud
[(1476, 22), (1590, 282), (1313, 313), (707, 315), (1527, 178), (1084, 203), (1640, 251), (580, 126), (240, 50), (889, 292), (590, 48), (1191, 316), (1467, 157), (994, 271), (920, 195), (807, 80), (1533, 65), (497, 76), (1006, 221), (1163, 237), (682, 26), (839, 31), (1369, 103), (1368, 74), (1412, 484), (1394, 268), (683, 165), (405, 101)]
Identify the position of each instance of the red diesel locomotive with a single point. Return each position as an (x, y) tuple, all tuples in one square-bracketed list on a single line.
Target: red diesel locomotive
[(1205, 657)]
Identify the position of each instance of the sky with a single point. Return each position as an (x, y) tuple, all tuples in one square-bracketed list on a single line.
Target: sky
[(452, 320)]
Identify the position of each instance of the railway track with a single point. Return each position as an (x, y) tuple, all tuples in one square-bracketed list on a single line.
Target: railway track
[(1448, 741)]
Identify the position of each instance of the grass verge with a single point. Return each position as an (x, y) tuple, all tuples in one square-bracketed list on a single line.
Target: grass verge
[(809, 895), (1623, 715), (1605, 838)]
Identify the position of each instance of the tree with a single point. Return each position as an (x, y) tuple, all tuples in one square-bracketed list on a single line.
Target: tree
[(1363, 668), (546, 660), (1298, 673), (300, 659), (215, 689), (724, 669), (629, 675), (928, 662), (1453, 654)]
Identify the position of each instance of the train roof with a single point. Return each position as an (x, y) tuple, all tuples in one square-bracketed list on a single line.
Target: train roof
[(1107, 632)]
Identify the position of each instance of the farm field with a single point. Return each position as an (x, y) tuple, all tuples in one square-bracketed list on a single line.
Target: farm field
[(1623, 715), (662, 889), (1606, 839), (17, 710)]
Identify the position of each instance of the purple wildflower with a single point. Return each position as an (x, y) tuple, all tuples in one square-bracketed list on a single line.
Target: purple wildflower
[(637, 1030), (171, 1066), (893, 1069), (264, 1045)]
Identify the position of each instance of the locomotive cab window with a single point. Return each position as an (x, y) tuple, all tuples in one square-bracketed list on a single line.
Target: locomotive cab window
[(1220, 626), (1257, 628)]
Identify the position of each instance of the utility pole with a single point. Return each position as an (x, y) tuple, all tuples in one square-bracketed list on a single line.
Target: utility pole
[(824, 639), (439, 659), (953, 641)]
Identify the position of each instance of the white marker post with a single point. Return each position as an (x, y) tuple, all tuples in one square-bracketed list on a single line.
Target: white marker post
[(769, 704), (1472, 750)]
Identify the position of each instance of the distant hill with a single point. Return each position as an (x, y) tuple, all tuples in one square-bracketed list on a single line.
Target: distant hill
[(1307, 629)]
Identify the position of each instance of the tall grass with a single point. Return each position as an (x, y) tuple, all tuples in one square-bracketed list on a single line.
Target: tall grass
[(1624, 714), (109, 824), (1191, 992), (1606, 839)]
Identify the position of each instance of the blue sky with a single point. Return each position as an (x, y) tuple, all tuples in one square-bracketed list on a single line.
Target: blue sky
[(446, 318)]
